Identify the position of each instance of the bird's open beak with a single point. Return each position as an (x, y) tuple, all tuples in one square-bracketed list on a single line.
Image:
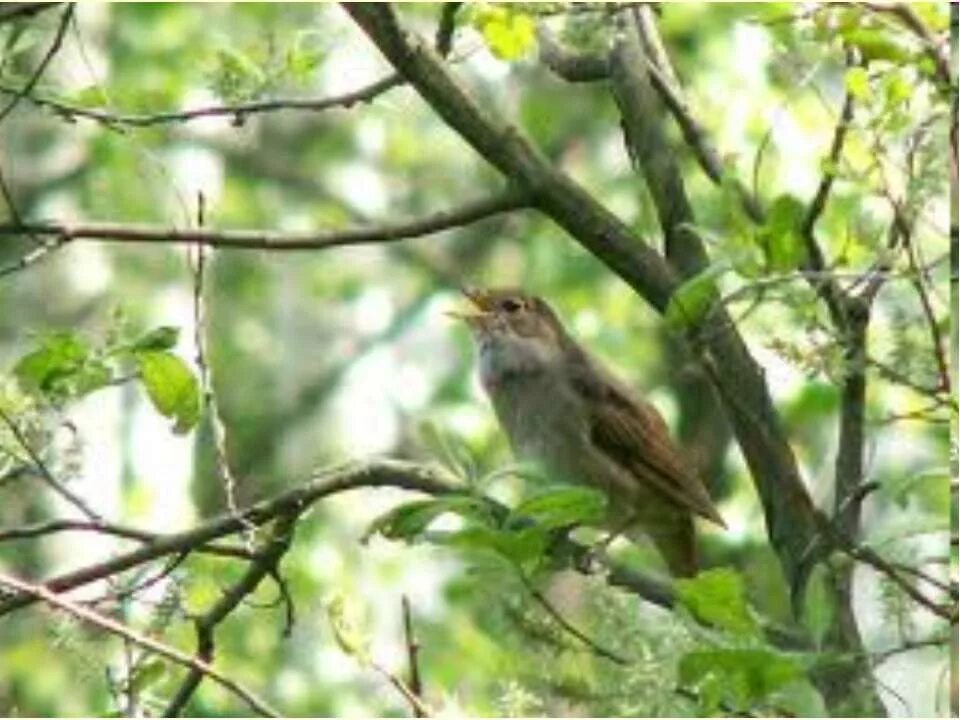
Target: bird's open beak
[(477, 312)]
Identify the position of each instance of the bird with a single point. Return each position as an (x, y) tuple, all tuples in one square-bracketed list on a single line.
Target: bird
[(562, 410)]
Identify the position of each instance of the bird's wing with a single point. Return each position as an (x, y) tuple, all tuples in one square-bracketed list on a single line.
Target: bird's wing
[(632, 433)]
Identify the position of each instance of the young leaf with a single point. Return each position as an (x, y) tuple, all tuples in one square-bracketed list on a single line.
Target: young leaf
[(410, 520), (146, 675), (509, 34), (172, 388), (516, 546), (746, 675), (691, 301), (857, 82), (161, 338), (59, 356), (563, 507), (717, 597), (781, 235)]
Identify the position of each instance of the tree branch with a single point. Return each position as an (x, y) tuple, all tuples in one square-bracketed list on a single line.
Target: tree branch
[(505, 147), (44, 594), (10, 12), (415, 683), (383, 473), (575, 67), (664, 80), (278, 241), (825, 286), (124, 531), (789, 512), (20, 93), (264, 564), (45, 473), (238, 112)]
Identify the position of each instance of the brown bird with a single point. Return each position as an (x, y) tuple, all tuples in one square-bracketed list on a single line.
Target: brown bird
[(563, 411)]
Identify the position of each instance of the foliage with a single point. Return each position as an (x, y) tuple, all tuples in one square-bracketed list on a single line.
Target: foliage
[(330, 355)]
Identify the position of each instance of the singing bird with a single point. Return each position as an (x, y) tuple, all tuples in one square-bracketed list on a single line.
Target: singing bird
[(565, 412)]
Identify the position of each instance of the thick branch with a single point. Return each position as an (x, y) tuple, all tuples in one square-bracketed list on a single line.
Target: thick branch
[(431, 480), (790, 515), (503, 146), (278, 241)]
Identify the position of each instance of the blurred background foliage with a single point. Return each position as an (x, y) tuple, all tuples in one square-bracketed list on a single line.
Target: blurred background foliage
[(320, 357)]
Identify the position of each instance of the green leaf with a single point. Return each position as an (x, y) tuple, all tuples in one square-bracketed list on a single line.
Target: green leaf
[(564, 506), (162, 338), (781, 235), (743, 676), (510, 34), (517, 546), (897, 88), (59, 356), (799, 699), (857, 82), (410, 520), (717, 597), (931, 488), (92, 376), (172, 388), (875, 44), (146, 675), (691, 301)]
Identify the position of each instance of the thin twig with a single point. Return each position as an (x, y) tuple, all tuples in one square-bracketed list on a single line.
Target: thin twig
[(913, 22), (22, 92), (221, 456), (279, 241), (265, 563), (933, 325), (568, 627), (41, 593), (826, 287), (105, 528), (390, 473), (238, 112), (413, 651), (45, 473), (420, 709)]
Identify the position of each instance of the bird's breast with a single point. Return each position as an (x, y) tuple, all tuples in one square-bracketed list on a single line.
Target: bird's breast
[(542, 419)]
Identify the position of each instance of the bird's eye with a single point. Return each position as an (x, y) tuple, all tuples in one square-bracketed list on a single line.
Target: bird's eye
[(510, 305)]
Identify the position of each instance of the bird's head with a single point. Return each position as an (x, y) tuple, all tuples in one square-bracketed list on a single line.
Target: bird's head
[(512, 329)]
